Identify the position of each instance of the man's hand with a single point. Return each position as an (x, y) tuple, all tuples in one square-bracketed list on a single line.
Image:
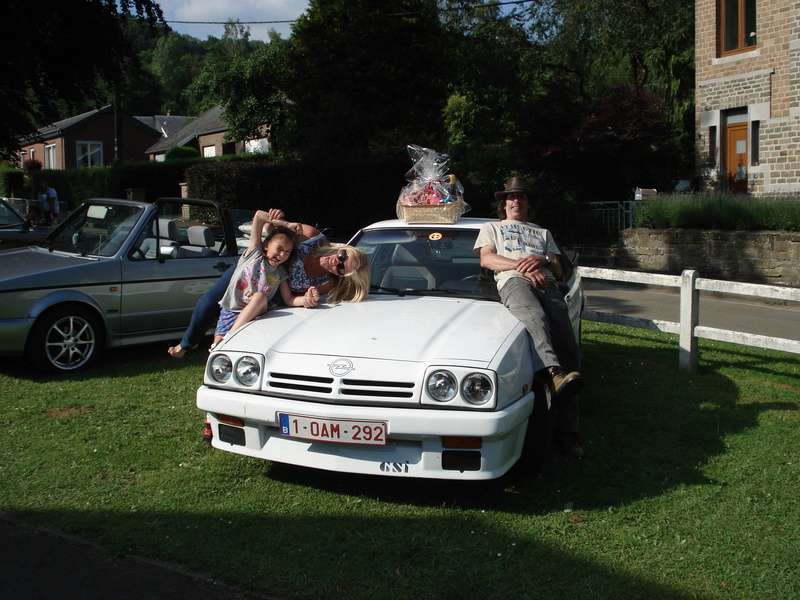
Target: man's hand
[(538, 278), (531, 267)]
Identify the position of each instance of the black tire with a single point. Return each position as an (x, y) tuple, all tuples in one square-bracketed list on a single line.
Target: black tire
[(65, 338)]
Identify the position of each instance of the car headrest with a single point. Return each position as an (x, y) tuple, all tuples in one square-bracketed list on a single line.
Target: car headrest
[(168, 229), (200, 235)]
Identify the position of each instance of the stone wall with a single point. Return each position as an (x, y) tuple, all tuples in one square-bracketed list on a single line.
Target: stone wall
[(770, 257)]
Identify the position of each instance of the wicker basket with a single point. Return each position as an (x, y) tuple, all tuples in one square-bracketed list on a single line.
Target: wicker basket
[(449, 212)]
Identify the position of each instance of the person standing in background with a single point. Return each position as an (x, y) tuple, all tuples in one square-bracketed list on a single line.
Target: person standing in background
[(48, 202)]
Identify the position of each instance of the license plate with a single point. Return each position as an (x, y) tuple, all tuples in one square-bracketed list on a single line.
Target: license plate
[(333, 430)]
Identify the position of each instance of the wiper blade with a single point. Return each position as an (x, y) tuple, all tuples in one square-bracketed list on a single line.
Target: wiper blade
[(386, 289), (414, 292)]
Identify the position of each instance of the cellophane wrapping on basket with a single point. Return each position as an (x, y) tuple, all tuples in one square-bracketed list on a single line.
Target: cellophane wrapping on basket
[(432, 195)]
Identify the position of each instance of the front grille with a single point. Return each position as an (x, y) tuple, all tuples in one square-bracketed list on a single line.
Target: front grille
[(386, 389), (333, 389)]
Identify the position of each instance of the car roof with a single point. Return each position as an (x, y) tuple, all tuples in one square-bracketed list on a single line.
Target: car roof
[(464, 223)]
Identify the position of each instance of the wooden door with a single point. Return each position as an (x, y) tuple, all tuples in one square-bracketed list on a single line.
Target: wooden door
[(736, 157)]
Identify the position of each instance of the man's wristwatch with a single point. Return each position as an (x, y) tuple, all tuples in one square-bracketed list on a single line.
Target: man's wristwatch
[(547, 258)]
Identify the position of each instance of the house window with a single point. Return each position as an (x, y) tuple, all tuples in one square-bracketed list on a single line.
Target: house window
[(738, 25), (50, 156), (209, 151), (90, 154)]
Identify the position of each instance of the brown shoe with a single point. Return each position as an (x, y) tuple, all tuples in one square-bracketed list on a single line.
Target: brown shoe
[(568, 443), (565, 385)]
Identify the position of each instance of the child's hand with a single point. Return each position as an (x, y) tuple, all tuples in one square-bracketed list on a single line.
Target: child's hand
[(311, 298), (275, 214)]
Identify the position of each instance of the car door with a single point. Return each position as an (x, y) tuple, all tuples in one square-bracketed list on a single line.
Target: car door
[(177, 256)]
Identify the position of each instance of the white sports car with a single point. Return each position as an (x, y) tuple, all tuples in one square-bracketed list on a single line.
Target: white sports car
[(430, 376)]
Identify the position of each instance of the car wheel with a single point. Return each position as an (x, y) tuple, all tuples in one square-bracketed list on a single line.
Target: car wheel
[(66, 338), (537, 436)]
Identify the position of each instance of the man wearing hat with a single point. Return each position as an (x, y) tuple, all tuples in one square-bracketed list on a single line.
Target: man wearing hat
[(526, 263)]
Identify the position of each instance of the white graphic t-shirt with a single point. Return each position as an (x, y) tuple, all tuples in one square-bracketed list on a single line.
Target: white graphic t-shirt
[(515, 239)]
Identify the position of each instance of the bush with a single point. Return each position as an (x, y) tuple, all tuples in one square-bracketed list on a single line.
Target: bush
[(179, 152), (12, 181), (707, 210), (328, 193)]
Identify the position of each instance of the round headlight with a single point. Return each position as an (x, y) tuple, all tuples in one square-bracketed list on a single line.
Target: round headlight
[(476, 388), (247, 370), (220, 369), (442, 386)]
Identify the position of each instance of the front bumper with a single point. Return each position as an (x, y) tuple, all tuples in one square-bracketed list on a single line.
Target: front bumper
[(414, 436)]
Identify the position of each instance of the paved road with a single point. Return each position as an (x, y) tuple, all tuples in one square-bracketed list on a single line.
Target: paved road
[(736, 313)]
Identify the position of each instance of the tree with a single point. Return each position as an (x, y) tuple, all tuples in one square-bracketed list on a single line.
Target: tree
[(61, 57), (248, 87), (644, 45), (364, 76), (492, 79), (175, 62), (243, 76)]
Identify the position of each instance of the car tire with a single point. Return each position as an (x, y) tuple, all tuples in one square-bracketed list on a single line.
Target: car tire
[(65, 338)]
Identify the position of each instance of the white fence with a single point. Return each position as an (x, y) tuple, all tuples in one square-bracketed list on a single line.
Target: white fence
[(688, 328)]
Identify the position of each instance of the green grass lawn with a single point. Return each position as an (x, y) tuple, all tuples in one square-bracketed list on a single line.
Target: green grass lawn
[(689, 488)]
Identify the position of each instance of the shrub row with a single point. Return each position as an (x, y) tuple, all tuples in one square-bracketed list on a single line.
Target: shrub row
[(719, 211)]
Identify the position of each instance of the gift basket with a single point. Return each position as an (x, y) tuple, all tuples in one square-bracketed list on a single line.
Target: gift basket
[(431, 196)]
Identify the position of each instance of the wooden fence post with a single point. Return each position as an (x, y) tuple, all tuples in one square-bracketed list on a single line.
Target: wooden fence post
[(689, 318)]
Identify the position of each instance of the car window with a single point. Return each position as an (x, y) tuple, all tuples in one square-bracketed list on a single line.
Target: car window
[(9, 218), (95, 229), (426, 260), (186, 230)]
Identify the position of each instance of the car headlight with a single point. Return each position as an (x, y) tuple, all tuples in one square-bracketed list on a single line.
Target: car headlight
[(442, 386), (248, 370), (220, 368), (476, 388)]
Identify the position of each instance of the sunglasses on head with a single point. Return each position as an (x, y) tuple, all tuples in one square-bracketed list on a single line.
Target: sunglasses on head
[(341, 257)]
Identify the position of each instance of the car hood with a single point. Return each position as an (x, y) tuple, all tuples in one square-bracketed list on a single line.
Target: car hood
[(413, 329), (33, 267)]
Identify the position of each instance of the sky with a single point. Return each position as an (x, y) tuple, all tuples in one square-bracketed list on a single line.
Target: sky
[(223, 10)]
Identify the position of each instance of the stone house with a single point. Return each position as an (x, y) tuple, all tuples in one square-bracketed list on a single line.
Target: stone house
[(747, 112)]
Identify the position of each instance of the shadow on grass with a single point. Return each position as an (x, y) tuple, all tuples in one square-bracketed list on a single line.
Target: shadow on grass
[(320, 557), (115, 362), (647, 428)]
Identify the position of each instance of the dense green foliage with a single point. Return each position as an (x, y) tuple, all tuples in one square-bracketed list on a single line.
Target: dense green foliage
[(689, 489), (64, 56), (718, 211), (589, 98)]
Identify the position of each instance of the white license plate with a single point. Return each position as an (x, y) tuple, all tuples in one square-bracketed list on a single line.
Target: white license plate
[(333, 430)]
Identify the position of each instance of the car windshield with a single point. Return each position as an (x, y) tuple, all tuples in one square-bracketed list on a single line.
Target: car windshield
[(94, 229), (10, 218), (426, 261)]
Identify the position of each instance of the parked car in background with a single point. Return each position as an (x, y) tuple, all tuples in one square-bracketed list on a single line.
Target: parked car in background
[(430, 376), (16, 228), (113, 273)]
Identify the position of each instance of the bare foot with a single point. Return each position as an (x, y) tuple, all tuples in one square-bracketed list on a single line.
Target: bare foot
[(176, 351)]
